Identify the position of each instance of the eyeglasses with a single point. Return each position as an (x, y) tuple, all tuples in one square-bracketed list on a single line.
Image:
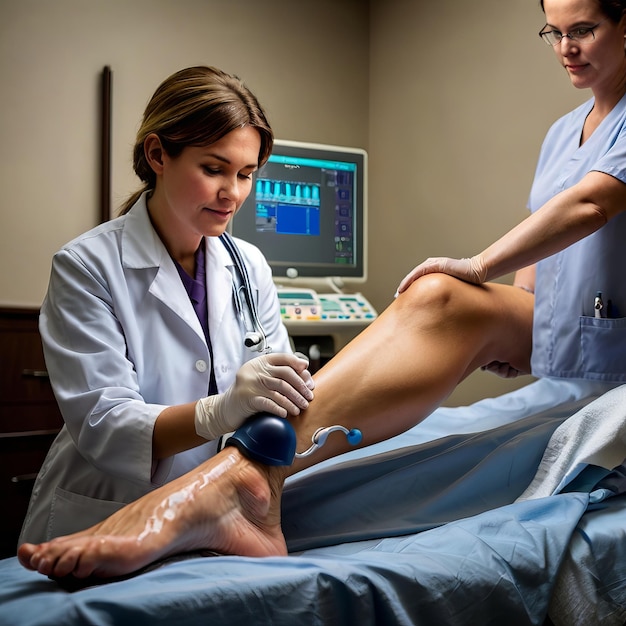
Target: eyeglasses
[(583, 34)]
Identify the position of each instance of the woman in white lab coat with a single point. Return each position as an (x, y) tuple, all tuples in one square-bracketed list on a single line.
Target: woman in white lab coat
[(141, 335)]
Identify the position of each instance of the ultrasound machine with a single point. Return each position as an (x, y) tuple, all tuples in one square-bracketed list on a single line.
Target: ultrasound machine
[(307, 213)]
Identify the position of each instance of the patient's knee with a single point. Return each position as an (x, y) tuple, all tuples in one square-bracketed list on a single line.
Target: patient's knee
[(436, 294)]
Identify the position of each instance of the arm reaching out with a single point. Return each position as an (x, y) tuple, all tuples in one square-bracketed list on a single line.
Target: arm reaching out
[(565, 219)]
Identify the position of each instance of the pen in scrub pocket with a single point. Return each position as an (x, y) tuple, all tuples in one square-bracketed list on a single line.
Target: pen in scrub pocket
[(598, 305)]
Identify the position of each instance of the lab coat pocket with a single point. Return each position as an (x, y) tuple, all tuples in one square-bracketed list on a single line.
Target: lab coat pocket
[(602, 342), (71, 512)]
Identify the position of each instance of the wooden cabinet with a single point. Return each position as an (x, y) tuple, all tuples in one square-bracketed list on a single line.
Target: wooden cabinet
[(29, 418)]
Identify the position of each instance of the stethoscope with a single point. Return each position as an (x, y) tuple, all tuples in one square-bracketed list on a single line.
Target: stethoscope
[(255, 338)]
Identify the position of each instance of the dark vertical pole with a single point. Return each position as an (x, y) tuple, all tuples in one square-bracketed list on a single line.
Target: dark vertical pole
[(105, 146)]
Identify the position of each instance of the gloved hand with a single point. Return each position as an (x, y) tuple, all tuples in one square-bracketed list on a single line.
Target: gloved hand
[(274, 383), (504, 370), (470, 270)]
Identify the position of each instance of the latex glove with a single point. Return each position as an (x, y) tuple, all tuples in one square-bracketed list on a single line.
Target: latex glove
[(470, 270), (504, 370), (274, 383)]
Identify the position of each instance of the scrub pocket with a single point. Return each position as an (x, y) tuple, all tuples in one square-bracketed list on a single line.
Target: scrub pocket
[(71, 512), (603, 346)]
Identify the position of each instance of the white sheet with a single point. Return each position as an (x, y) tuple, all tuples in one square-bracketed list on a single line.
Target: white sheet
[(596, 435)]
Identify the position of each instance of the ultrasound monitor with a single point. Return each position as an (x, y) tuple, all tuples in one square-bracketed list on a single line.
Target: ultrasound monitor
[(307, 212)]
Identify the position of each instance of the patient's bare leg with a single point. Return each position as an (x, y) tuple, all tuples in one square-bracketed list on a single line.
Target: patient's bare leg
[(388, 379), (405, 364)]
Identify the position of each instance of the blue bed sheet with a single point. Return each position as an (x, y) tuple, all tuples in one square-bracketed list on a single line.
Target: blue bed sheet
[(416, 530), (591, 586), (493, 568)]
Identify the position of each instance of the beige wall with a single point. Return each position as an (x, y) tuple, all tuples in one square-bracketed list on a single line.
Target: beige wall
[(305, 60), (450, 98)]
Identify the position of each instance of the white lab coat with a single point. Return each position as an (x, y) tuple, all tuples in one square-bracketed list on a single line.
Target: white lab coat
[(122, 342)]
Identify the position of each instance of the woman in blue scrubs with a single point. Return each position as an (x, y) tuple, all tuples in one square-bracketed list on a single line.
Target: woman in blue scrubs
[(573, 246), (439, 329)]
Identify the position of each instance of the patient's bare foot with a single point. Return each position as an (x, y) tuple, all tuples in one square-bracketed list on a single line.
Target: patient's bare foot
[(228, 504)]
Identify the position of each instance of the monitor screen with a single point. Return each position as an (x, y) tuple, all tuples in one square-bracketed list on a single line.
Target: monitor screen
[(307, 212)]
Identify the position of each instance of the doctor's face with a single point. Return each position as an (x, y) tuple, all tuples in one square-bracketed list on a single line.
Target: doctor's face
[(199, 191)]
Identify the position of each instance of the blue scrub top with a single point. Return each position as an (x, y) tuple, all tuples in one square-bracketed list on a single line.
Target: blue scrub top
[(568, 341)]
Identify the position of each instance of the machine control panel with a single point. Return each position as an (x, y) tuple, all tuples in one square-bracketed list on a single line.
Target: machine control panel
[(308, 306)]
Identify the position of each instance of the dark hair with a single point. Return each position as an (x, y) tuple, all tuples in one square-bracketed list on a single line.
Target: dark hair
[(196, 106), (613, 9)]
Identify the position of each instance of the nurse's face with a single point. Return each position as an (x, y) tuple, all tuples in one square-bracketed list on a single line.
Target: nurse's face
[(198, 192), (598, 64)]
